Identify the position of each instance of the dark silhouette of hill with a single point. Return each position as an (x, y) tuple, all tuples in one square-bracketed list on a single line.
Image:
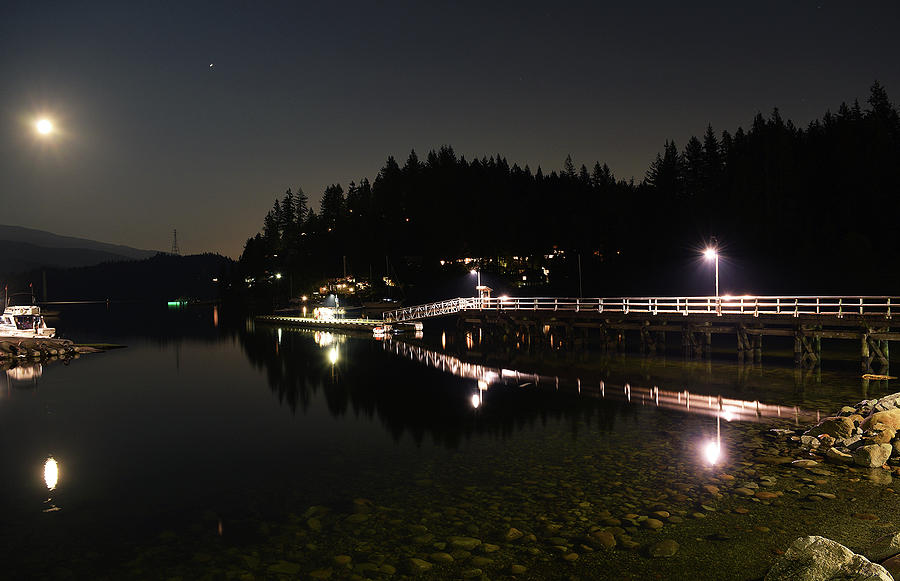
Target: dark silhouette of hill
[(21, 256), (162, 277), (26, 248)]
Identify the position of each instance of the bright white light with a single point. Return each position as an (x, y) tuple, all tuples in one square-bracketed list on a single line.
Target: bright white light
[(51, 473), (473, 271), (709, 253), (482, 384), (711, 452), (277, 275), (44, 126), (728, 414), (476, 400), (333, 355)]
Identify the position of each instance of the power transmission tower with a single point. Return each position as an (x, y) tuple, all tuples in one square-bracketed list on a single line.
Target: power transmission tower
[(175, 249)]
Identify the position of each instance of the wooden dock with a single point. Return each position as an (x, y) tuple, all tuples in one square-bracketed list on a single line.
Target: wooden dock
[(807, 319)]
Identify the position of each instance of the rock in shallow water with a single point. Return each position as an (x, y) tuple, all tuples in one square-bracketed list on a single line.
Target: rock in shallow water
[(839, 427), (819, 559), (885, 547), (664, 548), (873, 455)]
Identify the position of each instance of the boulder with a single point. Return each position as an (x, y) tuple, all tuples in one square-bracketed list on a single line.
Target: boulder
[(884, 547), (819, 559), (893, 566), (882, 435), (888, 402), (838, 457), (890, 418), (809, 442), (837, 427), (873, 455)]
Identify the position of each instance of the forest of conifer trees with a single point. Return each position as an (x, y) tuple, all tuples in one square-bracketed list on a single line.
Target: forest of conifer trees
[(797, 210)]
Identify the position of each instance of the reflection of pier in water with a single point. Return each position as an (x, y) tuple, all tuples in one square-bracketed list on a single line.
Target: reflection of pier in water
[(729, 409)]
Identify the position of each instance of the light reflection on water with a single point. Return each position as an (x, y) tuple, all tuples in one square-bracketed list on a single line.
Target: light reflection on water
[(683, 400), (51, 473)]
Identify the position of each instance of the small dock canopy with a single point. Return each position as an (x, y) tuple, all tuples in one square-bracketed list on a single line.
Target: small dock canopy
[(484, 292)]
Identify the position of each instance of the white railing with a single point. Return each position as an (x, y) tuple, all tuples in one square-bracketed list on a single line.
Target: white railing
[(754, 306)]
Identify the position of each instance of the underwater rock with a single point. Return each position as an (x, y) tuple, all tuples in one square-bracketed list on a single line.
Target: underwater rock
[(884, 547), (419, 565), (664, 549)]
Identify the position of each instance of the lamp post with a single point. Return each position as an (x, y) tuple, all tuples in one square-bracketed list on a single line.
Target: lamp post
[(477, 273)]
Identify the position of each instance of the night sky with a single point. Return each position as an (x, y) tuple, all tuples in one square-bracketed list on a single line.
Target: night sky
[(148, 137)]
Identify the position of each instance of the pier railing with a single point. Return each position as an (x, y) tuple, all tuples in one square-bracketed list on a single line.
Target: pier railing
[(751, 306)]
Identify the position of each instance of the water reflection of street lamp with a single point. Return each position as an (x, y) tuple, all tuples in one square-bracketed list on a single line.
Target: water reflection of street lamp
[(51, 473), (712, 451)]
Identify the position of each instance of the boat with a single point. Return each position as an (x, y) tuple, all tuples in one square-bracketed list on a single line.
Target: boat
[(24, 322)]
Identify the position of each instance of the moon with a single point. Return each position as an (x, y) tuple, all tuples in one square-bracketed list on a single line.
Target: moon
[(44, 126)]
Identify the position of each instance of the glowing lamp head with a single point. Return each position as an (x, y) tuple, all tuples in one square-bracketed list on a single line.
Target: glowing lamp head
[(473, 271), (44, 126), (710, 253)]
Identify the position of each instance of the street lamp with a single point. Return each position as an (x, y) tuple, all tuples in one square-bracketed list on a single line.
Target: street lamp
[(712, 253), (477, 273)]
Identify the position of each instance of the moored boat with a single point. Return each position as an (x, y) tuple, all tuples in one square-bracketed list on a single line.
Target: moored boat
[(24, 321)]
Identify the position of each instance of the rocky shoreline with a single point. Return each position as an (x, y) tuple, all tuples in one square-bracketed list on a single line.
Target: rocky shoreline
[(865, 435)]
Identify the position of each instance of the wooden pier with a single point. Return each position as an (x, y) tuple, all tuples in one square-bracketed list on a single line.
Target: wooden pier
[(868, 320)]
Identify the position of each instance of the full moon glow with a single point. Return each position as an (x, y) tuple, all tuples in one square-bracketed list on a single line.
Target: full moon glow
[(44, 126)]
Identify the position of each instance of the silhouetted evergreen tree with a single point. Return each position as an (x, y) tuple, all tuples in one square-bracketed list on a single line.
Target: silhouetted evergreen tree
[(818, 200)]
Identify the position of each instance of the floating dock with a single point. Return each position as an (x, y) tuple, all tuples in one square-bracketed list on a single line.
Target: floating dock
[(338, 324), (35, 347)]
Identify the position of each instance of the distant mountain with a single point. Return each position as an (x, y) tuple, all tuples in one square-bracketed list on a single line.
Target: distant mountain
[(163, 276), (26, 249)]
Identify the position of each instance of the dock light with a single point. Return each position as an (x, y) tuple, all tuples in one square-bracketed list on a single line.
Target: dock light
[(277, 275)]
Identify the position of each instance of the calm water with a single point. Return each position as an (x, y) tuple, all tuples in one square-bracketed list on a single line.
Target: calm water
[(212, 447)]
